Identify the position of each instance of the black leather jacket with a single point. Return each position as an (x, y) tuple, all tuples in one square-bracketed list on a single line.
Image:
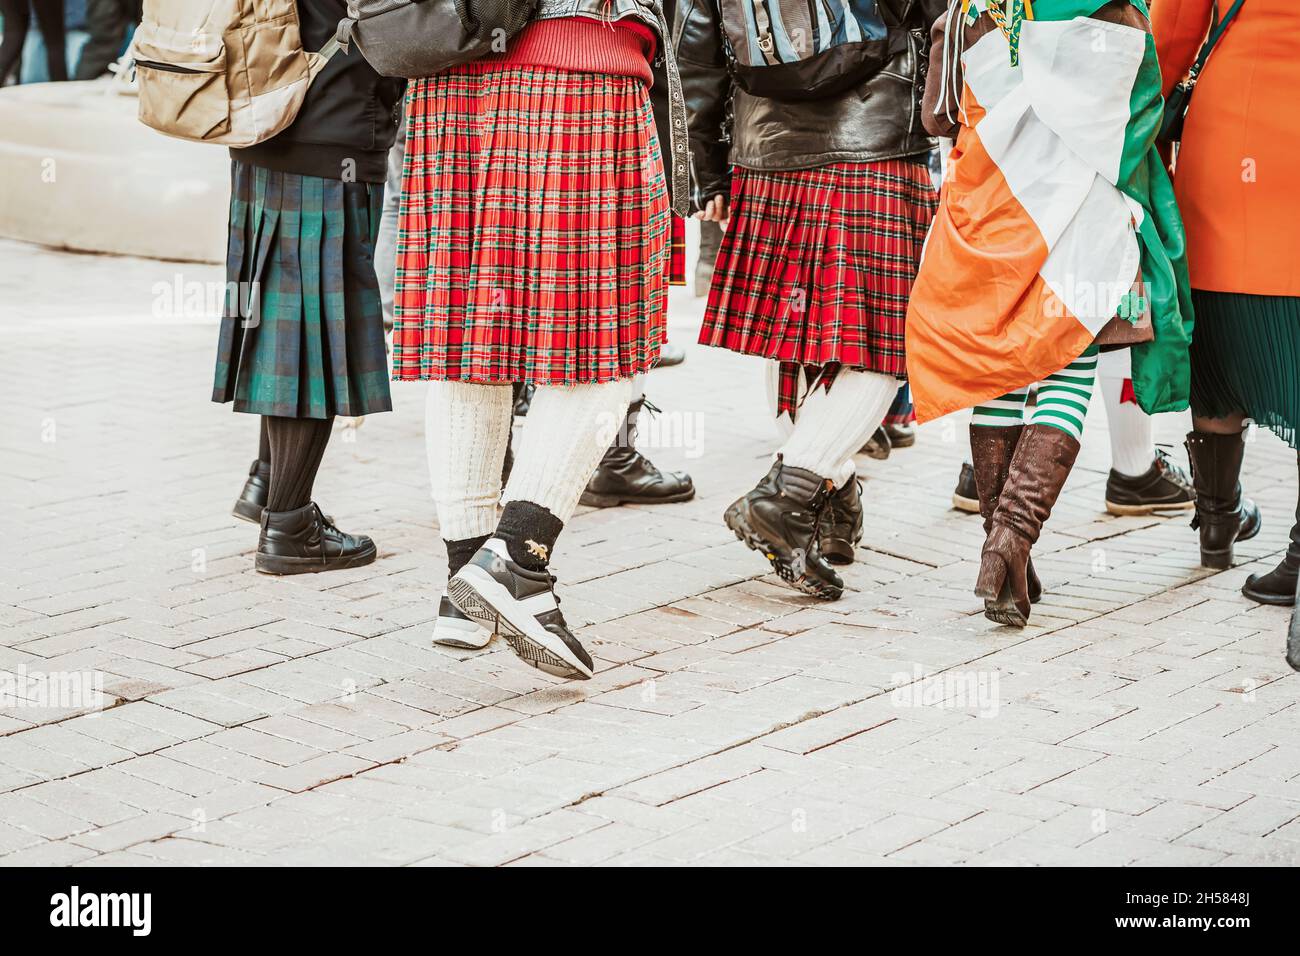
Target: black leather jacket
[(650, 12), (880, 119)]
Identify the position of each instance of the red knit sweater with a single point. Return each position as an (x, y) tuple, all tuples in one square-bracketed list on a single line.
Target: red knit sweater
[(580, 45)]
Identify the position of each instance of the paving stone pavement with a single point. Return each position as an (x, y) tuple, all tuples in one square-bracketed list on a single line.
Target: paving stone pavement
[(1146, 716)]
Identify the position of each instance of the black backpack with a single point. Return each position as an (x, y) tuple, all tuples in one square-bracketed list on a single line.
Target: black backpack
[(413, 38)]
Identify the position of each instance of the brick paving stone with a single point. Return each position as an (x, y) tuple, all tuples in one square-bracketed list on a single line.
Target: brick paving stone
[(1145, 718)]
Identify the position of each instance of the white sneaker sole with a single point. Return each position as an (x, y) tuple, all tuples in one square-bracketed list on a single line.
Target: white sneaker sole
[(482, 598), (454, 632)]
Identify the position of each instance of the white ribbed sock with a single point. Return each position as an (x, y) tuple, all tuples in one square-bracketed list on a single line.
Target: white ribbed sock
[(1132, 446), (465, 431), (772, 371), (564, 436), (833, 424)]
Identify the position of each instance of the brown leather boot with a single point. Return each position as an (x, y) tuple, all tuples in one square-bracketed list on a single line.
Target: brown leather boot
[(1041, 463), (991, 449)]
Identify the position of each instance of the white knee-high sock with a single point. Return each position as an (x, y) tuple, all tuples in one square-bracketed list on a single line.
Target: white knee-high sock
[(833, 424), (465, 431), (564, 436), (1132, 446)]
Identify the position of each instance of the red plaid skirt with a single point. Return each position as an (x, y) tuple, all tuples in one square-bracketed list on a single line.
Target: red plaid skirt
[(534, 239), (816, 266)]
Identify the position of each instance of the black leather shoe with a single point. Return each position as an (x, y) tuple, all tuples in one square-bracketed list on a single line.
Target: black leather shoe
[(966, 497), (1277, 586), (841, 528), (304, 541), (1293, 640), (251, 501), (627, 477), (521, 606), (1164, 487), (780, 519), (669, 355), (1223, 515), (901, 436)]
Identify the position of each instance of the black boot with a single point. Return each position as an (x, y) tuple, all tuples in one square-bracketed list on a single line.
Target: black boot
[(1223, 514), (627, 477), (303, 541), (780, 519), (901, 436), (878, 446), (841, 529), (1279, 585), (252, 499)]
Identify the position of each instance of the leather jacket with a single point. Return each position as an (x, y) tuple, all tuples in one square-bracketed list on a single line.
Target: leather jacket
[(664, 67), (878, 119)]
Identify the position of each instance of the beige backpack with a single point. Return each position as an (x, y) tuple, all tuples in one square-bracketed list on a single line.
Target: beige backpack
[(231, 72)]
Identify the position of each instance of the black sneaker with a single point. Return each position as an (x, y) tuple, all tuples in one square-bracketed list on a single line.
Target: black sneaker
[(781, 519), (841, 527), (521, 606), (454, 628), (1164, 487), (305, 541), (964, 496), (252, 499)]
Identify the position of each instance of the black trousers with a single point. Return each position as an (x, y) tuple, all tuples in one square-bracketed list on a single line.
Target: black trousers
[(49, 20), (106, 22)]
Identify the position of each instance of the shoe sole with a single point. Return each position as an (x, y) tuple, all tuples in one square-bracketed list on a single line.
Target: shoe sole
[(1122, 510), (469, 635), (482, 598), (739, 524), (1264, 597), (838, 553), (592, 500), (969, 505), (278, 565), (247, 511)]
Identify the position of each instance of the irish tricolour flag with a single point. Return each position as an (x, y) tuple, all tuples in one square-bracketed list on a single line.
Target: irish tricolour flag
[(1055, 209)]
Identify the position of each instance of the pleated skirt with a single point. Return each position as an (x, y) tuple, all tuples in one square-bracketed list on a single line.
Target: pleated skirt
[(535, 229), (302, 335), (1245, 357)]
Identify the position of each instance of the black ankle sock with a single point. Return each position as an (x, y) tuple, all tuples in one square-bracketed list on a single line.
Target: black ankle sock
[(529, 532), (297, 446), (459, 552), (264, 444)]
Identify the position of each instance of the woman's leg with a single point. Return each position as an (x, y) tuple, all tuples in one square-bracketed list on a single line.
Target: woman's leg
[(252, 498), (296, 537), (466, 432), (1216, 448), (49, 18), (17, 19), (507, 584), (1043, 456), (781, 517)]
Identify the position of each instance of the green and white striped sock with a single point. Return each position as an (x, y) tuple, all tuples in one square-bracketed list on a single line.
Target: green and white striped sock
[(1002, 412), (1063, 397)]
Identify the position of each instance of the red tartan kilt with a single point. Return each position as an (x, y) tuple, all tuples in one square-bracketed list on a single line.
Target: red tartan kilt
[(816, 264), (534, 239)]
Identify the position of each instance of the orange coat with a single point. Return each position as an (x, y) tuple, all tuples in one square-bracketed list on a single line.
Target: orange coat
[(1238, 172)]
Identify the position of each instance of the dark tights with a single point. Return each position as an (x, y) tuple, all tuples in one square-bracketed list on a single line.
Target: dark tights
[(297, 446), (49, 20)]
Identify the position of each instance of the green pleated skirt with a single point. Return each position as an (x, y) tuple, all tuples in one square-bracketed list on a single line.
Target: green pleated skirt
[(303, 331), (1246, 358)]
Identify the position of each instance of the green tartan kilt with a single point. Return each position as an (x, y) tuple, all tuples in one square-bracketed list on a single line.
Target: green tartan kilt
[(302, 335)]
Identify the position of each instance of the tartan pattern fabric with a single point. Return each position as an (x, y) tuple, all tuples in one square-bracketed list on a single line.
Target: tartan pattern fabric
[(302, 335), (677, 252), (816, 265), (535, 226)]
